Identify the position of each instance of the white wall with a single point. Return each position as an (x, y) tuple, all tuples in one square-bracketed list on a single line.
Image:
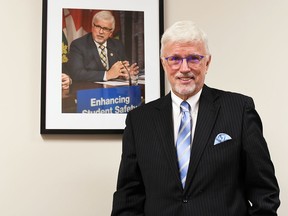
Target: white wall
[(61, 175)]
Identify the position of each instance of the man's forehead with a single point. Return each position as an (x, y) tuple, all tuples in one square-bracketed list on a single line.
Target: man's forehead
[(191, 43), (104, 22), (182, 46)]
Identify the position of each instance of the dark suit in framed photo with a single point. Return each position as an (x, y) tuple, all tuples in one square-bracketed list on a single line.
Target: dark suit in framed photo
[(78, 92)]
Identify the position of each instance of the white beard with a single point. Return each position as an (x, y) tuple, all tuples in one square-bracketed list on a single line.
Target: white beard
[(185, 90)]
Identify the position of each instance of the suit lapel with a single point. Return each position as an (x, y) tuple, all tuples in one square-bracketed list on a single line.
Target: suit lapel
[(164, 126), (112, 54), (207, 114)]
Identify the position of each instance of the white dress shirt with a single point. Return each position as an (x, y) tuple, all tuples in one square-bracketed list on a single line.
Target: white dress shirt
[(194, 104)]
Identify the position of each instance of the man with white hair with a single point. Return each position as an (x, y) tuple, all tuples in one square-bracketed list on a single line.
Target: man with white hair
[(198, 150), (97, 56)]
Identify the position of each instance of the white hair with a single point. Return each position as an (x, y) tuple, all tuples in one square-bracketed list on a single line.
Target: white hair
[(104, 15), (184, 31)]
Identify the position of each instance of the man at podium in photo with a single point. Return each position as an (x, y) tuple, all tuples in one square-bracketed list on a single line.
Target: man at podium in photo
[(98, 57)]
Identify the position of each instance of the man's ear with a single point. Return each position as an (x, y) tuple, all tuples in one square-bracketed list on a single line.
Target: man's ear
[(209, 61), (162, 62)]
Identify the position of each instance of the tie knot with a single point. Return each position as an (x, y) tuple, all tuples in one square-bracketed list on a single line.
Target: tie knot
[(102, 47), (185, 107)]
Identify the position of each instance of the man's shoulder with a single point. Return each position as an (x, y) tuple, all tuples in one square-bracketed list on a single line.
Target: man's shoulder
[(157, 104), (113, 42), (230, 98), (225, 93), (83, 39)]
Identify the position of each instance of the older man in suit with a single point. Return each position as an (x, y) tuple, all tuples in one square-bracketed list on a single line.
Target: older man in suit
[(96, 56), (225, 168)]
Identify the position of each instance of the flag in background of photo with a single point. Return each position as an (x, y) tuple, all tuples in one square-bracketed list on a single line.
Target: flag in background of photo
[(75, 23)]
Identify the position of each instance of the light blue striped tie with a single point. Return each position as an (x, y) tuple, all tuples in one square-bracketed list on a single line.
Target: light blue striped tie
[(183, 141)]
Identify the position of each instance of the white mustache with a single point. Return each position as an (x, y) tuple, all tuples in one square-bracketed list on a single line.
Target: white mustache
[(186, 75)]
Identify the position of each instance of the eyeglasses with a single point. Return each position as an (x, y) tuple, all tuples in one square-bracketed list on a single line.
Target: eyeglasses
[(105, 29), (175, 62)]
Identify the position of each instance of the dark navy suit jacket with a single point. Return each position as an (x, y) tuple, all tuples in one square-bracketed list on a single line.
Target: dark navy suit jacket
[(233, 178), (84, 62)]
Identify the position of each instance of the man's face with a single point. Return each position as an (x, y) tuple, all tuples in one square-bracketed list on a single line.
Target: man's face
[(186, 79), (101, 30)]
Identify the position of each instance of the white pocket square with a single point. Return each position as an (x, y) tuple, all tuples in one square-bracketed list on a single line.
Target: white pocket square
[(221, 137)]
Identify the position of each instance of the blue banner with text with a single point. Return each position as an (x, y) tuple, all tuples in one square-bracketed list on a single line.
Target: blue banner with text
[(108, 100)]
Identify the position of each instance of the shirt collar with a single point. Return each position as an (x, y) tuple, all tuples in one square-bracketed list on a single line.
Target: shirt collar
[(97, 44), (193, 101)]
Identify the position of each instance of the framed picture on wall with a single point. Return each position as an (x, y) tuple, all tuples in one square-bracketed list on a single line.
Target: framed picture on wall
[(100, 59)]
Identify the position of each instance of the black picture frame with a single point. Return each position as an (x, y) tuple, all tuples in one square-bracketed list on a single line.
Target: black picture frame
[(54, 119)]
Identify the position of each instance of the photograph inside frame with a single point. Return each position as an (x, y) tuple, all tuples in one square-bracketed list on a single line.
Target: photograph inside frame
[(103, 64)]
